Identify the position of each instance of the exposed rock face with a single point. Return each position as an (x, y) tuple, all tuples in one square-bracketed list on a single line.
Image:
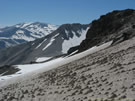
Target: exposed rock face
[(111, 26), (8, 70), (73, 49)]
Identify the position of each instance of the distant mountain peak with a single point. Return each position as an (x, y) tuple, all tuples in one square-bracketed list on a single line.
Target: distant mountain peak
[(22, 25), (24, 32)]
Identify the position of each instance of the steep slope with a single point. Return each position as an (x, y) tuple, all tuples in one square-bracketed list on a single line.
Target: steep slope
[(106, 75), (117, 25), (56, 43), (9, 72), (24, 32)]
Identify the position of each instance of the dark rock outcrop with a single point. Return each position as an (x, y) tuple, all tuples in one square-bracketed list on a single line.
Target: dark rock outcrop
[(8, 70), (73, 49), (111, 26)]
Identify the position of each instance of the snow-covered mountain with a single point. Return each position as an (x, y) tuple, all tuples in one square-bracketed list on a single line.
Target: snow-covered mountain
[(24, 32), (104, 70), (54, 44)]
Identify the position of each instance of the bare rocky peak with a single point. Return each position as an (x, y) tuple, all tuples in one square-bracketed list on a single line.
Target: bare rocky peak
[(113, 26)]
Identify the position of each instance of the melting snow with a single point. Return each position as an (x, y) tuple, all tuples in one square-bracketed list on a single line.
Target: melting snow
[(66, 33), (73, 41), (22, 36), (41, 30), (28, 68), (26, 24), (55, 35), (41, 59), (48, 44), (52, 39), (4, 38), (40, 44), (19, 32), (32, 69), (38, 31), (33, 44)]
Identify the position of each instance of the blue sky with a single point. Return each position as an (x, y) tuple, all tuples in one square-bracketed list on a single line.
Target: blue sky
[(58, 11)]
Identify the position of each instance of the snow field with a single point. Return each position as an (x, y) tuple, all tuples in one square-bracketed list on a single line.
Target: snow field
[(29, 70)]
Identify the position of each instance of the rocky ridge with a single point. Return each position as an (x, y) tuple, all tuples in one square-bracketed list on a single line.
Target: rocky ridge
[(118, 25)]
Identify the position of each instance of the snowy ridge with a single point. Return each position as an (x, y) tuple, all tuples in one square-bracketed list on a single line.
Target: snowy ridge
[(23, 25), (38, 29), (21, 35), (24, 32)]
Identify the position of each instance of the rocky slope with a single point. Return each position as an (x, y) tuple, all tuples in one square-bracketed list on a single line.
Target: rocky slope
[(24, 32), (117, 25), (107, 75), (54, 44)]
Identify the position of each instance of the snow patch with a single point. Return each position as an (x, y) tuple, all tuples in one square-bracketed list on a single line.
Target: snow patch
[(41, 59), (73, 41), (32, 44), (66, 33), (4, 38), (30, 70), (25, 24), (55, 35), (19, 32), (36, 30), (48, 44), (42, 31), (40, 44), (26, 69), (22, 37), (52, 39)]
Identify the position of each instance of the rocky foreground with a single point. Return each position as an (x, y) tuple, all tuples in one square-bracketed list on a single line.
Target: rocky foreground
[(107, 75)]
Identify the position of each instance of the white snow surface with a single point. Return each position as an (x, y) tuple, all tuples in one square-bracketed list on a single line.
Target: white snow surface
[(51, 41), (41, 59), (40, 43), (4, 38), (73, 41), (42, 31), (20, 35), (20, 32), (36, 31), (30, 70), (23, 25)]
